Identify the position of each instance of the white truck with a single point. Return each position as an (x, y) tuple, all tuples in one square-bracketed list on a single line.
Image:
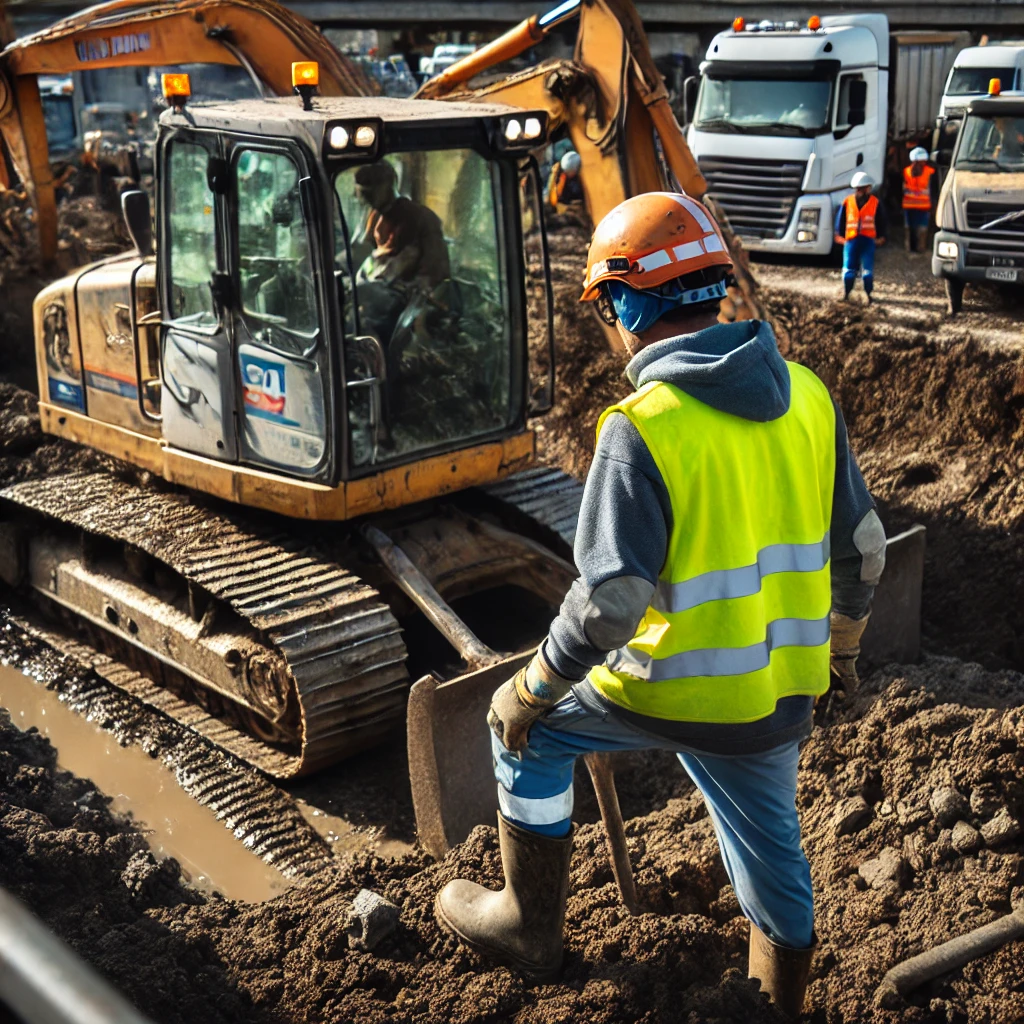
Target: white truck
[(969, 79), (786, 114)]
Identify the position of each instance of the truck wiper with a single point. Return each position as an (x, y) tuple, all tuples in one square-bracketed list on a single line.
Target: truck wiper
[(784, 126), (1014, 215), (718, 123)]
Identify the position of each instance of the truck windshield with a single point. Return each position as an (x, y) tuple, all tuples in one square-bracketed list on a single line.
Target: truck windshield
[(420, 256), (763, 106), (974, 81), (991, 144)]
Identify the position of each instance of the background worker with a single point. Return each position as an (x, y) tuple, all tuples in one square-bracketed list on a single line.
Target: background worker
[(861, 224), (917, 200), (722, 518), (565, 187)]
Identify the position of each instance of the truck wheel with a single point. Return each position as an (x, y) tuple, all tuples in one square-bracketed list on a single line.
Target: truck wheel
[(954, 295)]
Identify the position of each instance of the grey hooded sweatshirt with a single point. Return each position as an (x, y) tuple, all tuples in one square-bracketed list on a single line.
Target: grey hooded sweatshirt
[(626, 520)]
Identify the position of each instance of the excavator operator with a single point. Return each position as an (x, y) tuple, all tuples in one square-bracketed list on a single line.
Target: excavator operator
[(724, 518), (404, 241)]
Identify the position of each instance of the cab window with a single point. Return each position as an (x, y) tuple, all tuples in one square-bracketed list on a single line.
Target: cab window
[(193, 243), (420, 254), (278, 296)]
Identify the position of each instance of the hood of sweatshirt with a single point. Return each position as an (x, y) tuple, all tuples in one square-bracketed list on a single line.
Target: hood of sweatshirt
[(735, 368)]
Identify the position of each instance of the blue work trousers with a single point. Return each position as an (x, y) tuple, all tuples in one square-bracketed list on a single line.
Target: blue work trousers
[(751, 799), (859, 254)]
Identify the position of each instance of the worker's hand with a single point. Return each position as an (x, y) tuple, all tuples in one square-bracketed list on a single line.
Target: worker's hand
[(517, 704), (879, 241), (846, 634), (839, 240)]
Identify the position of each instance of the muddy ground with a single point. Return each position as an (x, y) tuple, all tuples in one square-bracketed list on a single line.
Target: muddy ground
[(910, 802)]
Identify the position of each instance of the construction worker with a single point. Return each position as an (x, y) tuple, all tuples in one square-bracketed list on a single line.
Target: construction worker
[(723, 517), (917, 200), (565, 187), (403, 241), (861, 224)]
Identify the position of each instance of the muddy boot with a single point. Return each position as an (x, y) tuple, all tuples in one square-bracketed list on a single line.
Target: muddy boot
[(847, 288), (782, 971), (521, 926), (922, 240)]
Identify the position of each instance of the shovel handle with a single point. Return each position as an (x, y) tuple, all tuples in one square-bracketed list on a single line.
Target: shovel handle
[(603, 778)]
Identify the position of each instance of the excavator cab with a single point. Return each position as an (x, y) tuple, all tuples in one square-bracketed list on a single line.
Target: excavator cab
[(339, 291)]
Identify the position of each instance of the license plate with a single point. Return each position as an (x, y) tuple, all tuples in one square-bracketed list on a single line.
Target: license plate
[(998, 274)]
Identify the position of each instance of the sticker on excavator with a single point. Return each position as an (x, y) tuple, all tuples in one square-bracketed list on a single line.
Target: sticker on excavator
[(450, 765)]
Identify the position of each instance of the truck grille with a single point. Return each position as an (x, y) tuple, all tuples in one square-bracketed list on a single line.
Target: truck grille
[(983, 213), (756, 196)]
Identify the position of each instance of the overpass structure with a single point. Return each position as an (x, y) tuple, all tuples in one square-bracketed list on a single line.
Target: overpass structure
[(994, 17)]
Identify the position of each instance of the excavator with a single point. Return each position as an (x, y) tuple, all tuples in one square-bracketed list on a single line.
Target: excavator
[(318, 381)]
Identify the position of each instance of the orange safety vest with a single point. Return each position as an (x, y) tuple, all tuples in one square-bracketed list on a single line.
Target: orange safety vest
[(916, 188), (860, 220)]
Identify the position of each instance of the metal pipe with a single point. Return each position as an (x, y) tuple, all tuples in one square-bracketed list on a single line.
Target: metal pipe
[(473, 650), (45, 982)]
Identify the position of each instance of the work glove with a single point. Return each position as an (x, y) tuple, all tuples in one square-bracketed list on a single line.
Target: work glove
[(517, 704), (846, 634)]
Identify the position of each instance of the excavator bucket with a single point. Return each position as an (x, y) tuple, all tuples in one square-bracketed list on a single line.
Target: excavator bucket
[(453, 786)]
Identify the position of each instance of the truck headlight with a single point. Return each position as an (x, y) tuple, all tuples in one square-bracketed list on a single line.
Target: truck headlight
[(947, 250), (807, 225)]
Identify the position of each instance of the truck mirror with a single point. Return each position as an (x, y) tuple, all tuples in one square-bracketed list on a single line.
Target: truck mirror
[(690, 97), (858, 102), (135, 207)]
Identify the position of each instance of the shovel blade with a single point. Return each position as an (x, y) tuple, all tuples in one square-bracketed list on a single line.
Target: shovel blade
[(450, 765), (894, 629)]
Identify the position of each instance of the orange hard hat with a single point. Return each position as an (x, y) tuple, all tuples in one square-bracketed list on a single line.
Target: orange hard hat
[(653, 238)]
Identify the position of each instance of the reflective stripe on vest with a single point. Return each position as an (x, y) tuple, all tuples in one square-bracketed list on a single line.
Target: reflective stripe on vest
[(860, 220), (916, 189), (740, 615)]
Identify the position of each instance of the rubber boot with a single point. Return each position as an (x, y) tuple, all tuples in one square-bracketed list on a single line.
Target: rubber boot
[(782, 971), (922, 240), (520, 926), (847, 288)]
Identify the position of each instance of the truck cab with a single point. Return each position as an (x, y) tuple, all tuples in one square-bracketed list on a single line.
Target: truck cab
[(339, 315), (973, 71), (784, 117), (980, 216)]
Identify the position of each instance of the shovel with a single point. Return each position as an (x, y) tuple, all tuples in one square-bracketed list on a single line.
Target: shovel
[(450, 766), (449, 743)]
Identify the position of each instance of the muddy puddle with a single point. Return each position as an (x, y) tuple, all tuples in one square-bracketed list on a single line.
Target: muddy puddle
[(142, 788)]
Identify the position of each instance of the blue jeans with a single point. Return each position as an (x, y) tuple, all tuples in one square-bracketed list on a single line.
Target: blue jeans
[(859, 253), (751, 800)]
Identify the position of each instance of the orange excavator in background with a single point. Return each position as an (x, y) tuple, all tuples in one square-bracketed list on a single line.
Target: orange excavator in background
[(338, 410)]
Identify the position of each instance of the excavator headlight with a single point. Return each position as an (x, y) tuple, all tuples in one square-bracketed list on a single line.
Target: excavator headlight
[(353, 140), (366, 136), (523, 131)]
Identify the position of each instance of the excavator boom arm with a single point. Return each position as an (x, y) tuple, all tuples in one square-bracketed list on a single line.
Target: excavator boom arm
[(259, 35)]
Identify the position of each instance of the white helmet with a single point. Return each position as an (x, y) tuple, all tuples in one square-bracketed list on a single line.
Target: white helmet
[(918, 155), (860, 179), (571, 162)]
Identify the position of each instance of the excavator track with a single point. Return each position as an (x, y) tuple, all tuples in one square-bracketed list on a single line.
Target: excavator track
[(282, 657)]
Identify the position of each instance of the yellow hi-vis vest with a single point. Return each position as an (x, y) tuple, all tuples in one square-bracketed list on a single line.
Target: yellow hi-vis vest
[(740, 616)]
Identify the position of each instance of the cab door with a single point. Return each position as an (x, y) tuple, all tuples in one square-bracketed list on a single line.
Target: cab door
[(198, 404), (282, 369)]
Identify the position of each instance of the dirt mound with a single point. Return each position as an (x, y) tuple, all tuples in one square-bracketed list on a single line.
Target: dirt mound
[(939, 432)]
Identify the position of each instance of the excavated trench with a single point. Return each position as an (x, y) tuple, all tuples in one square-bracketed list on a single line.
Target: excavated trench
[(911, 800)]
